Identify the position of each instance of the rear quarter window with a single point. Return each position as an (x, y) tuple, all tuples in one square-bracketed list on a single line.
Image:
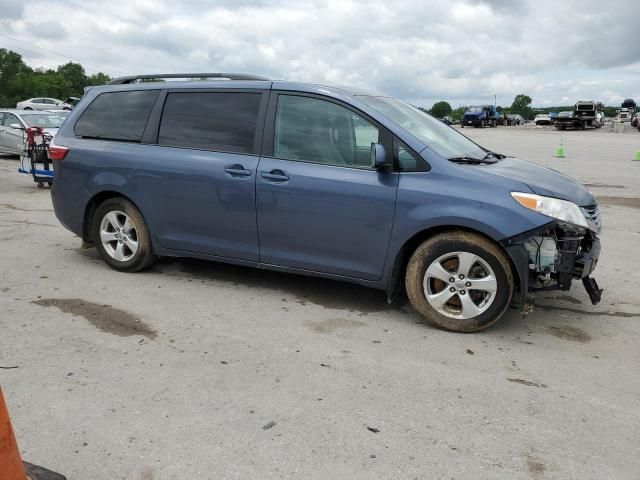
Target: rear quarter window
[(217, 121), (117, 115)]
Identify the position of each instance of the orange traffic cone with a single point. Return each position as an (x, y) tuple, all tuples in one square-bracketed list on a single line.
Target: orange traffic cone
[(11, 466)]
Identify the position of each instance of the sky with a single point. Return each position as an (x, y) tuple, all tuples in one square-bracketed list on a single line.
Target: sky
[(423, 51)]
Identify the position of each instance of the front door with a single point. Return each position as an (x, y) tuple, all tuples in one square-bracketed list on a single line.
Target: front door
[(11, 139), (320, 205)]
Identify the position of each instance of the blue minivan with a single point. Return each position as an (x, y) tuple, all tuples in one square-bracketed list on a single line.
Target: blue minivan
[(319, 180)]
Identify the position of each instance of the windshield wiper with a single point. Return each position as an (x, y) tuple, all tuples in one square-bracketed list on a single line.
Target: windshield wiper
[(495, 155), (471, 160)]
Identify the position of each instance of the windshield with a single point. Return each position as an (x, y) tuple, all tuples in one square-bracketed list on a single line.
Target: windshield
[(474, 109), (42, 120), (433, 133), (62, 114)]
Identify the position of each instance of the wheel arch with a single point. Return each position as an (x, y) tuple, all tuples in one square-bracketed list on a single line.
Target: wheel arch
[(403, 255)]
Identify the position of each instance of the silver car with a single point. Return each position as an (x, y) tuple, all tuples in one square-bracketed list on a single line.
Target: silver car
[(42, 103), (14, 122)]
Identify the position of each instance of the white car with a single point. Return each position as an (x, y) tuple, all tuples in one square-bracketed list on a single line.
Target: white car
[(14, 122), (42, 103), (542, 119)]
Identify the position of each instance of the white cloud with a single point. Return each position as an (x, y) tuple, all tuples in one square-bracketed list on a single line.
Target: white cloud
[(463, 51)]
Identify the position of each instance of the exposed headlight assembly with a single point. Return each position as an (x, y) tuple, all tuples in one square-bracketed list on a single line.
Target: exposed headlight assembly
[(552, 207)]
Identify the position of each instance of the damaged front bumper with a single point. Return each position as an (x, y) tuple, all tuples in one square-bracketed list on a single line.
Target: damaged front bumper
[(552, 257)]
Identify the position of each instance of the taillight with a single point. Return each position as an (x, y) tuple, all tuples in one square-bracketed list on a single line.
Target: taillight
[(57, 152)]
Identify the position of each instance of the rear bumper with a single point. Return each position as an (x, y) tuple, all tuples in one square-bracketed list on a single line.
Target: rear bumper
[(68, 207)]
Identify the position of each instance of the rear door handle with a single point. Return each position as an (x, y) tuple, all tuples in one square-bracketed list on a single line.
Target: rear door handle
[(237, 170), (275, 175)]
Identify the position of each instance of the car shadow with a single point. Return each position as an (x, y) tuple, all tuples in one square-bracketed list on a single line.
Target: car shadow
[(327, 293)]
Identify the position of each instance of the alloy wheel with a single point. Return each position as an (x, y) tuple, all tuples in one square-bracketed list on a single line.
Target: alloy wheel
[(460, 285), (119, 236)]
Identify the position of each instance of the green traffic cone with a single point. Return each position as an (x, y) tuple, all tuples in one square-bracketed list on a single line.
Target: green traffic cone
[(637, 159), (560, 150)]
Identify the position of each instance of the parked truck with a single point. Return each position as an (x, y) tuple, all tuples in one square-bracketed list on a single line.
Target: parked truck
[(481, 116), (585, 114), (588, 113), (627, 110)]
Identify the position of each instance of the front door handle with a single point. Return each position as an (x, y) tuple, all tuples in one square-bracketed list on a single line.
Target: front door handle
[(237, 170), (275, 175)]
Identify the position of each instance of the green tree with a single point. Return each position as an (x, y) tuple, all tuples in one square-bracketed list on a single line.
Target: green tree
[(97, 79), (14, 73), (610, 111), (457, 113), (441, 109), (522, 105), (18, 81), (73, 77)]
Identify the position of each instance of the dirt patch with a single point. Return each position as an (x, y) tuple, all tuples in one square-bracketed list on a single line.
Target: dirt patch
[(631, 202), (567, 298), (27, 222), (104, 317), (147, 473), (527, 382), (535, 466), (20, 209), (332, 324), (603, 185), (593, 313), (570, 333)]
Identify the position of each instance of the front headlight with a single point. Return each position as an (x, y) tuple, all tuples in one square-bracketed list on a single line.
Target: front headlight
[(552, 207)]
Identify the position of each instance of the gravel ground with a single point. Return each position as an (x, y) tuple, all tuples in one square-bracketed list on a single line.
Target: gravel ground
[(207, 371)]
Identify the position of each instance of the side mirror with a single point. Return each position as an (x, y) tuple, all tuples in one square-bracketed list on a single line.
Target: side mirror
[(378, 156), (17, 126)]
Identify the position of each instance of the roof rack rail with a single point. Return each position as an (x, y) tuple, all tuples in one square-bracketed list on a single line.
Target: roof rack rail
[(158, 76)]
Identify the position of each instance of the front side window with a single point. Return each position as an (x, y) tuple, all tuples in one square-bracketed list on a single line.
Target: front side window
[(405, 159), (314, 130), (10, 119), (117, 115), (218, 121)]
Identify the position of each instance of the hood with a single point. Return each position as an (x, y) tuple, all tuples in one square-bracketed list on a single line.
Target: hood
[(542, 180)]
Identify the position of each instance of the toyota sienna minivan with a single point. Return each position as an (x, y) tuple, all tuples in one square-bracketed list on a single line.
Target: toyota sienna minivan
[(319, 180)]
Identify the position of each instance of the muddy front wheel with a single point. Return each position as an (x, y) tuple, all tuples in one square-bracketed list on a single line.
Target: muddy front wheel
[(459, 281)]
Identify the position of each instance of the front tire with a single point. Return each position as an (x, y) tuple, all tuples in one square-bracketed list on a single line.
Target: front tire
[(459, 281), (121, 236)]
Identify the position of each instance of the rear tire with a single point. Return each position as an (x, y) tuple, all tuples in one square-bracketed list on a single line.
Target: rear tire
[(467, 308), (121, 236)]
